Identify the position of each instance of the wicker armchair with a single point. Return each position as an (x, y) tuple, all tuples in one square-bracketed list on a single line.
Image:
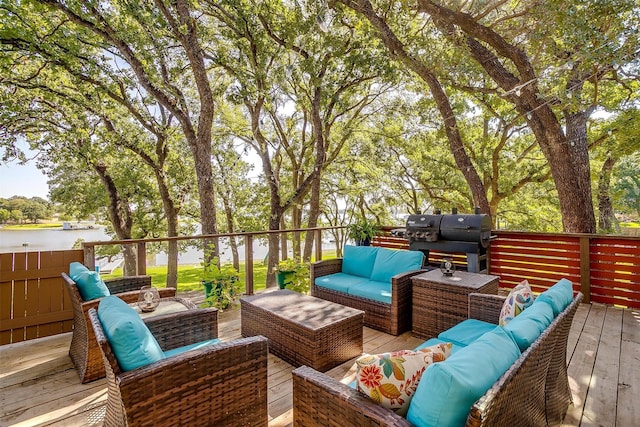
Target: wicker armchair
[(394, 318), (534, 391), (222, 384), (84, 350)]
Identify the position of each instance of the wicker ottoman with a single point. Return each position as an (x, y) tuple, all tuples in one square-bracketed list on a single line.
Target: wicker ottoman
[(304, 330), (440, 302)]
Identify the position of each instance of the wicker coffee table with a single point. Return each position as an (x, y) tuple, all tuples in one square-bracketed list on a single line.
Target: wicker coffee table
[(440, 302), (304, 330)]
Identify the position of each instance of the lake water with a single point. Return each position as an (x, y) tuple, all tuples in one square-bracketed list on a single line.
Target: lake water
[(59, 239)]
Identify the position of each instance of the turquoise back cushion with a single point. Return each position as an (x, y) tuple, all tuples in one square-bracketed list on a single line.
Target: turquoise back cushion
[(89, 283), (130, 339), (466, 332), (526, 327), (447, 389), (559, 296), (390, 262), (358, 260)]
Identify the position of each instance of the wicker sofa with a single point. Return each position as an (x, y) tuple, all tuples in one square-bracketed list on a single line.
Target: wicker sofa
[(84, 350), (375, 280), (533, 391)]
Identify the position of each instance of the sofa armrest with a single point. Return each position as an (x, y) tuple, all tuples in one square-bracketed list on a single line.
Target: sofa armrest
[(321, 400), (485, 307), (325, 267)]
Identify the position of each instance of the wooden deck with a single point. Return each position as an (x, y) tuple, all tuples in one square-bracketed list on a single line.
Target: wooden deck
[(39, 387)]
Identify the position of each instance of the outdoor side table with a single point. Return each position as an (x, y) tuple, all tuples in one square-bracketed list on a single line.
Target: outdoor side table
[(303, 330), (166, 306), (440, 302)]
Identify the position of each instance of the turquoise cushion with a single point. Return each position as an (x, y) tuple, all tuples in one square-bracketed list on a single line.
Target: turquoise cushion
[(526, 327), (448, 389), (392, 262), (130, 339), (358, 260), (340, 282), (466, 332), (89, 283), (559, 296), (435, 341), (193, 346), (377, 291)]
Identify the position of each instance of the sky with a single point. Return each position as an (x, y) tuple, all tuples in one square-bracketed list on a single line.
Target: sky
[(22, 180)]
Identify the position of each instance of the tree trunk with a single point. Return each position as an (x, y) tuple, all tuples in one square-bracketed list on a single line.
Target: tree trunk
[(605, 207), (119, 214)]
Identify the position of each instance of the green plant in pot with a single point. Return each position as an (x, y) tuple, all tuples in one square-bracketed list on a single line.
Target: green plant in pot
[(293, 274), (362, 232), (221, 284)]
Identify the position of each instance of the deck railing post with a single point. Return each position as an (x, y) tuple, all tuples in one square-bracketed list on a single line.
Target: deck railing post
[(142, 258), (89, 256), (318, 244), (248, 264), (585, 268)]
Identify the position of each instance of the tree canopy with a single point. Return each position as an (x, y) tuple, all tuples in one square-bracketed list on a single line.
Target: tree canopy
[(265, 114)]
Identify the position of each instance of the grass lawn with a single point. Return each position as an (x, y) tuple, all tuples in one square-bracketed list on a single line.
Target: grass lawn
[(37, 226), (189, 275)]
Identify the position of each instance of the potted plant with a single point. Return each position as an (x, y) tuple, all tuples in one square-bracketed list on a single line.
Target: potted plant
[(221, 283), (362, 232), (293, 274)]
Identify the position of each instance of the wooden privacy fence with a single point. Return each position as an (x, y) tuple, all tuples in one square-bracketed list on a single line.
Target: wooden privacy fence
[(33, 300)]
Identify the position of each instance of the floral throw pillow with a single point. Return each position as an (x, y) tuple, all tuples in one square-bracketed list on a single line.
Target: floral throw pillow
[(391, 379), (518, 299)]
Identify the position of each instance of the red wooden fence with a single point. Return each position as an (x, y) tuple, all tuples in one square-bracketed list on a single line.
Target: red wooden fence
[(605, 269)]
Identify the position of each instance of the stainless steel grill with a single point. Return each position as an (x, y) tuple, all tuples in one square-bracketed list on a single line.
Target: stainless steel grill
[(450, 233)]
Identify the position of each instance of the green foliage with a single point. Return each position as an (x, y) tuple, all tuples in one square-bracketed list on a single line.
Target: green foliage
[(223, 279), (299, 279), (362, 230)]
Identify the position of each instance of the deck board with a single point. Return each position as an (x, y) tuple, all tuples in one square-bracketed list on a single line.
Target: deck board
[(39, 386)]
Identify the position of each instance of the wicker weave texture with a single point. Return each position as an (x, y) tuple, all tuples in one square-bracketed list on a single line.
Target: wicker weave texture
[(223, 384), (393, 319), (440, 303), (305, 330), (84, 351)]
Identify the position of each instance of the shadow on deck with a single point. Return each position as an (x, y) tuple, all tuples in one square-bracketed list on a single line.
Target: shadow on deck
[(39, 386)]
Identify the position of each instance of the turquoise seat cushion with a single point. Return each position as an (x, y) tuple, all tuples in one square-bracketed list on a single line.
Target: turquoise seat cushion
[(392, 262), (377, 291), (466, 332), (340, 282), (358, 260), (448, 389), (193, 346), (130, 339), (89, 283), (559, 296), (435, 341), (526, 327)]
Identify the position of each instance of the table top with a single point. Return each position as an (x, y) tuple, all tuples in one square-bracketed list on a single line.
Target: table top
[(166, 306), (304, 309), (459, 278)]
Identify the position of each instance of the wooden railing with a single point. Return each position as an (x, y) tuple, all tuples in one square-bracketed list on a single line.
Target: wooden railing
[(34, 302)]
